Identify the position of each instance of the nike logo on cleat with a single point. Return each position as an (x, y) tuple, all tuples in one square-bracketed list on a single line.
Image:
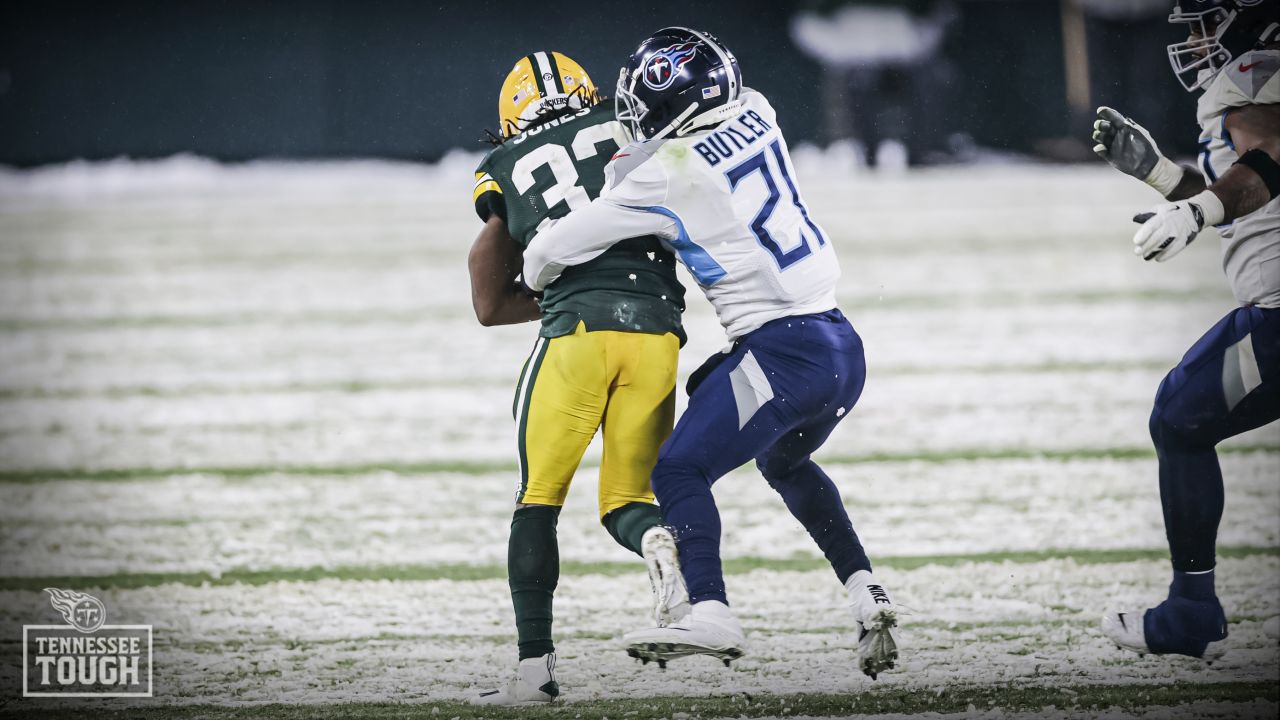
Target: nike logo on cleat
[(1123, 624)]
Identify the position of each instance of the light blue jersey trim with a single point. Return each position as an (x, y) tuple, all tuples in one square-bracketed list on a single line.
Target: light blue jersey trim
[(701, 265)]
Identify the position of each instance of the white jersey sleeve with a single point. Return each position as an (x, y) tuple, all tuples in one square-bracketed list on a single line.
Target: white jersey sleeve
[(583, 235), (1251, 244)]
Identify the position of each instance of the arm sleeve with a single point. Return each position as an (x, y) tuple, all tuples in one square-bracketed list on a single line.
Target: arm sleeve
[(584, 235)]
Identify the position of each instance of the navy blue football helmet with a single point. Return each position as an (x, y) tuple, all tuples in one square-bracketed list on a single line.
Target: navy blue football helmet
[(1221, 31), (677, 81)]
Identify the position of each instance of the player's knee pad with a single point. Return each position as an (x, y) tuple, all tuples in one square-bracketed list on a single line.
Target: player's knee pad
[(1175, 429), (779, 470), (1160, 426), (673, 478)]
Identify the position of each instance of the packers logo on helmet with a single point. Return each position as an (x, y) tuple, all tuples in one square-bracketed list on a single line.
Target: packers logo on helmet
[(542, 84)]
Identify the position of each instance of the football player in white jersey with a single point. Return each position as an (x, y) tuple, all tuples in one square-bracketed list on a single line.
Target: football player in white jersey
[(709, 172), (1229, 381)]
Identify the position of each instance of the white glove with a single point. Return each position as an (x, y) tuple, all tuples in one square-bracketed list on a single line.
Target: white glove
[(1131, 150), (1170, 228)]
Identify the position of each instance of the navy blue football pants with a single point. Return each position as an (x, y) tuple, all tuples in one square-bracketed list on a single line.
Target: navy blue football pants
[(1227, 383), (774, 398)]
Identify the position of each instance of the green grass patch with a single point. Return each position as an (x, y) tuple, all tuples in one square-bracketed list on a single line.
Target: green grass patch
[(417, 316), (466, 572), (484, 467), (353, 387), (954, 699)]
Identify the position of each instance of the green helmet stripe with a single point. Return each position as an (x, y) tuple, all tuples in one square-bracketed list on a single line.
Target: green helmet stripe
[(537, 75), (555, 73)]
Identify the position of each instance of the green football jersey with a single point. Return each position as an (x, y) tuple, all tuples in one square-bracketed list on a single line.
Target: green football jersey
[(544, 173)]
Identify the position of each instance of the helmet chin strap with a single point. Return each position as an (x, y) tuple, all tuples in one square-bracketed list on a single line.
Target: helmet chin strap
[(683, 125), (674, 123)]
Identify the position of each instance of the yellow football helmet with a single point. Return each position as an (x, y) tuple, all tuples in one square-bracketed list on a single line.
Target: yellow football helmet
[(542, 83)]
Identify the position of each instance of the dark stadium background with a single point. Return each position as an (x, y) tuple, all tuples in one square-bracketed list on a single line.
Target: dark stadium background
[(237, 79)]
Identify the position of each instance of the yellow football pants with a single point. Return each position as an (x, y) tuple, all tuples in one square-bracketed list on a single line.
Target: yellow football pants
[(573, 384)]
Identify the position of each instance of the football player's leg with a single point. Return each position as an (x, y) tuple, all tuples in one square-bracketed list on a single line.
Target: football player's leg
[(558, 408), (637, 421), (732, 417), (708, 441), (813, 499), (1228, 383), (787, 466), (734, 414)]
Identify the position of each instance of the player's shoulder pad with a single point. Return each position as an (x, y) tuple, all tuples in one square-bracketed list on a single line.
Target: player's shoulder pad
[(1251, 79), (755, 100), (634, 176)]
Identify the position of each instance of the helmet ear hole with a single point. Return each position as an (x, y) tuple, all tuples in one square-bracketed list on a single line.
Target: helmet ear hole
[(674, 75)]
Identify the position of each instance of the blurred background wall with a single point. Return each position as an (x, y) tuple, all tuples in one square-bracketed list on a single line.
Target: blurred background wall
[(237, 80)]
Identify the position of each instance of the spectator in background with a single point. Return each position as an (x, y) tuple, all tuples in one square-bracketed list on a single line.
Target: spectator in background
[(884, 79)]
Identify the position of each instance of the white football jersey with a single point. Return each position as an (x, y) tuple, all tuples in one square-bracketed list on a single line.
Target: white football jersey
[(1251, 244), (727, 203)]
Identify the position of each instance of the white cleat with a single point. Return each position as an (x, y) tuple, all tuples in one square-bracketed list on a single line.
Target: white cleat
[(670, 596), (709, 629), (534, 683), (1127, 629), (1124, 627), (877, 616)]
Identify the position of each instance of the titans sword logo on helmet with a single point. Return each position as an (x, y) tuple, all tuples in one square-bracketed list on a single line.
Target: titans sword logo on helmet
[(661, 69)]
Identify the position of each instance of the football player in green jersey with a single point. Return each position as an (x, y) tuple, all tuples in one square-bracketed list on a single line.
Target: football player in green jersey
[(605, 356)]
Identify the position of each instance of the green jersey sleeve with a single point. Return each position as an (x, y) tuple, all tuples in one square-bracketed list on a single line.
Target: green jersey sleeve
[(487, 195)]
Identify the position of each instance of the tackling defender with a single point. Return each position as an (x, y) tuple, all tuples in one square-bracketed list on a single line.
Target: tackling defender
[(708, 171), (1229, 381), (606, 352)]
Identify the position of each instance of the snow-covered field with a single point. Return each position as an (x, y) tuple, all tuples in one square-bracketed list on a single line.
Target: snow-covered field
[(249, 405)]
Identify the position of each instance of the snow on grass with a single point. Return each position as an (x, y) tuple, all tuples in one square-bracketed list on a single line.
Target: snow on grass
[(327, 641), (182, 314), (213, 524), (190, 315)]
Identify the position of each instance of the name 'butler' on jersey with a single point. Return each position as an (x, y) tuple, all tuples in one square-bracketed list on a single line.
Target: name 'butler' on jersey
[(711, 175)]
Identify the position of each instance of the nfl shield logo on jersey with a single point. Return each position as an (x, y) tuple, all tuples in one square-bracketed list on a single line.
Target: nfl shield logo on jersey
[(661, 69)]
